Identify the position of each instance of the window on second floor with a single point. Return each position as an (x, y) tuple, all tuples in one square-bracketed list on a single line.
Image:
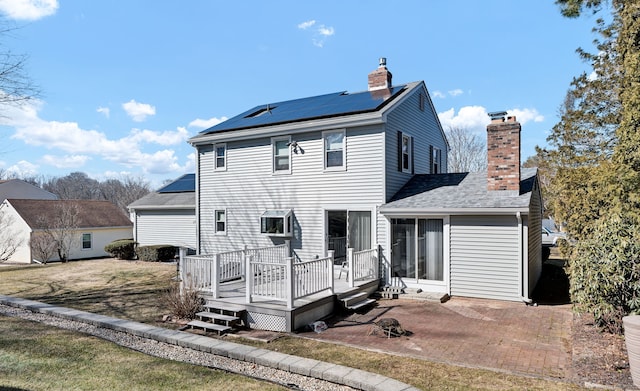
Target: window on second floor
[(221, 221), (86, 241), (334, 149), (436, 160), (220, 156), (405, 152), (281, 154)]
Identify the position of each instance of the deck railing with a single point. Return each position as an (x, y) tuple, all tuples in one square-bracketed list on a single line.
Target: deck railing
[(363, 265), (207, 272), (288, 281)]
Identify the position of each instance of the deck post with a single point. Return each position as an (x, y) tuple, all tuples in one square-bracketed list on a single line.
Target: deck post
[(331, 279), (180, 274), (244, 265), (249, 278), (289, 281), (287, 242), (350, 264), (215, 273)]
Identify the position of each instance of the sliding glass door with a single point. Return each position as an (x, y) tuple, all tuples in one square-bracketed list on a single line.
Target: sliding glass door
[(417, 249), (348, 229)]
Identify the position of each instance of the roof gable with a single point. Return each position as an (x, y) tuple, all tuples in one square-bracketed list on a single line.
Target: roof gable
[(40, 214), (315, 107)]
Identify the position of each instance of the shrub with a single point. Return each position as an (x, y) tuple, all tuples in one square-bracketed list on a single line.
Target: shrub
[(605, 272), (121, 248), (183, 305), (160, 252)]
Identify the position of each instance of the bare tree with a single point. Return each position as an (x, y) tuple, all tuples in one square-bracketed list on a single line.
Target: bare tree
[(124, 191), (58, 231), (468, 151), (43, 246), (16, 87), (10, 239)]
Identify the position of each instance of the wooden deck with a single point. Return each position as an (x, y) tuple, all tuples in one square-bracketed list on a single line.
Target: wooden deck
[(274, 315)]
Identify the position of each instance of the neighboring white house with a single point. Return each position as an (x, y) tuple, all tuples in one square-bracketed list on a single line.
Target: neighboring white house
[(358, 170), (167, 216), (97, 223), (19, 189)]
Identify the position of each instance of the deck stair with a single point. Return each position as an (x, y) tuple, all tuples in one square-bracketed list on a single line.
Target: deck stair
[(356, 301), (221, 318)]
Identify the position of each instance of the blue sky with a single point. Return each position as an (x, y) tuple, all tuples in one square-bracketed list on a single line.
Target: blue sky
[(125, 84)]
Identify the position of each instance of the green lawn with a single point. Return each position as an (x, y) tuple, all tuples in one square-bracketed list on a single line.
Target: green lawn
[(34, 356), (133, 290)]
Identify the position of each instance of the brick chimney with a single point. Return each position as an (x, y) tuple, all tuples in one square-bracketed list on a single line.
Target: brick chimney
[(503, 154), (381, 77)]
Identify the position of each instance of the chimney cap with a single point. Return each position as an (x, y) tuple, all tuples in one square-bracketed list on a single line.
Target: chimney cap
[(497, 115), (383, 62)]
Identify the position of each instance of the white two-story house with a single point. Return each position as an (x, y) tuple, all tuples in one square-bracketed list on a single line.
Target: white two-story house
[(364, 173), (315, 170)]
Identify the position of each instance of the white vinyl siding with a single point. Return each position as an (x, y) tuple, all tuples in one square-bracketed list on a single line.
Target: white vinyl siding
[(423, 126), (534, 250), (485, 257), (248, 189), (173, 227)]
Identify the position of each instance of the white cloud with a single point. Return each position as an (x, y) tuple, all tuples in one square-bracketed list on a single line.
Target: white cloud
[(476, 118), (67, 161), (525, 115), (442, 95), (104, 110), (138, 111), (163, 138), (28, 9), (473, 118), (22, 169), (306, 25), (206, 123), (319, 34), (131, 151)]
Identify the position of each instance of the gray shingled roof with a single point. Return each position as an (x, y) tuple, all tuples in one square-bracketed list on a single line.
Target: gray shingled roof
[(459, 192), (91, 213), (185, 200)]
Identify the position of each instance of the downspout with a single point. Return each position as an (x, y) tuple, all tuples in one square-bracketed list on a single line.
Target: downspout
[(523, 272)]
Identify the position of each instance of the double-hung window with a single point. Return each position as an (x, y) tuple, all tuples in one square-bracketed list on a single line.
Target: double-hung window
[(86, 241), (405, 152), (221, 221), (436, 161), (281, 154), (220, 156), (334, 150)]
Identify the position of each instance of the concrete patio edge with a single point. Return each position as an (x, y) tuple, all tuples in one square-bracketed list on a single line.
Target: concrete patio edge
[(338, 374)]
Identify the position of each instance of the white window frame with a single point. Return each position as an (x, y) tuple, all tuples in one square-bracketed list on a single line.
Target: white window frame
[(216, 167), (274, 156), (325, 134), (409, 139), (90, 241), (223, 221)]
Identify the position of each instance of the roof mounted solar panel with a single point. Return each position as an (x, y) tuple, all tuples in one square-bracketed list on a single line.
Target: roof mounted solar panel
[(184, 184), (321, 106)]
